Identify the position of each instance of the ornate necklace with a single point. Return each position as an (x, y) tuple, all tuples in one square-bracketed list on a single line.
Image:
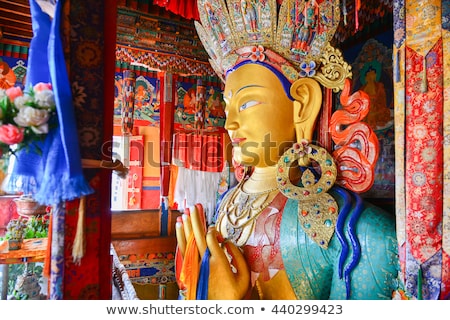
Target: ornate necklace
[(239, 211)]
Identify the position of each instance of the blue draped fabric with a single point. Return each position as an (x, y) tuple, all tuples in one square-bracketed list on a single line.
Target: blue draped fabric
[(37, 55), (55, 174), (27, 170), (202, 285), (63, 176)]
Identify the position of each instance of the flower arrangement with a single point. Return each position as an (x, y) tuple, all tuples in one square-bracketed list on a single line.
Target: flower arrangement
[(15, 229), (27, 228), (25, 116)]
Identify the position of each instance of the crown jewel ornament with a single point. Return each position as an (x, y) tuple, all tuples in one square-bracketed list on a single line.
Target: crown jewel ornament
[(294, 38)]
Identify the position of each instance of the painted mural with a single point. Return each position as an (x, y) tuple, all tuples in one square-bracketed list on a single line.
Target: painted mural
[(12, 72), (372, 73), (188, 110), (146, 98)]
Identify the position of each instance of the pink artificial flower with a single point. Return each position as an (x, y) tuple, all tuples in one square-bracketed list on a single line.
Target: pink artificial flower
[(13, 93), (41, 86), (10, 134)]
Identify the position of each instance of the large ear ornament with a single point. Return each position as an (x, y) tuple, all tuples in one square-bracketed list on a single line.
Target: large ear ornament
[(317, 210)]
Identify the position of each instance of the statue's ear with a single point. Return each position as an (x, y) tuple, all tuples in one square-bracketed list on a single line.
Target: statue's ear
[(307, 96)]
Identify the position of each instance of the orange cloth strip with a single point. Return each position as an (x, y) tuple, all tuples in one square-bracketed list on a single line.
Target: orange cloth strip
[(190, 269)]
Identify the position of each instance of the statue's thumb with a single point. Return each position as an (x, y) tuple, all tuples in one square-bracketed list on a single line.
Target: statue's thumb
[(238, 261)]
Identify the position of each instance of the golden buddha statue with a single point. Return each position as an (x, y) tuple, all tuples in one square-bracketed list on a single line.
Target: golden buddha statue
[(287, 230)]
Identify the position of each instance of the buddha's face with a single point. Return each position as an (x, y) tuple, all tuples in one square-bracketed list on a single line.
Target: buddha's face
[(371, 76), (259, 116)]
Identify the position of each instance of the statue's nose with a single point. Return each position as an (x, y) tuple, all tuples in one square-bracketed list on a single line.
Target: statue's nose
[(231, 123)]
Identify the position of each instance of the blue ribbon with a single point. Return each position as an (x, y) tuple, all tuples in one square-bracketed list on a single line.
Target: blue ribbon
[(202, 285), (340, 224), (356, 256), (164, 218), (353, 210)]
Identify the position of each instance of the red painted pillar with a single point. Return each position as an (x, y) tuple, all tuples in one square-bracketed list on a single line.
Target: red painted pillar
[(167, 99), (92, 278)]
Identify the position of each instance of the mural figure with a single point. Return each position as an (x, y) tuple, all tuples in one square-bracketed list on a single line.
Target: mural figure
[(190, 101), (215, 104), (249, 13), (7, 76), (141, 97), (379, 113), (372, 71), (306, 30)]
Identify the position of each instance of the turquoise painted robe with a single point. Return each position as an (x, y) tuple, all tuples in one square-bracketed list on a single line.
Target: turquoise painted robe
[(317, 273)]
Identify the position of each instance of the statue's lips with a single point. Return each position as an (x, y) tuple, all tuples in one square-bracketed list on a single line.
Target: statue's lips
[(237, 141)]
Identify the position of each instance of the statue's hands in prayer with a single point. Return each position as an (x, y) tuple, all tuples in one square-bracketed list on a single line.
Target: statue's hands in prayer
[(229, 276)]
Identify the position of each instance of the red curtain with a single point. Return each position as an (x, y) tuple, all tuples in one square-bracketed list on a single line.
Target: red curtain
[(198, 151), (185, 8)]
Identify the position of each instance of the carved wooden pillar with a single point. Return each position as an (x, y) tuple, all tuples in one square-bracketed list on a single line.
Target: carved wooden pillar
[(92, 31)]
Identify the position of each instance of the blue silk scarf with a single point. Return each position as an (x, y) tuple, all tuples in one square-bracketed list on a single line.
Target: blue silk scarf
[(52, 173)]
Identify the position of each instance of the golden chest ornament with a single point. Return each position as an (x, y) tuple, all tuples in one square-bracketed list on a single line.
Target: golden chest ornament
[(317, 210)]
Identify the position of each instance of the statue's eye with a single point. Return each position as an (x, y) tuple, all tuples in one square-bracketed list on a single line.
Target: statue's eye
[(248, 104)]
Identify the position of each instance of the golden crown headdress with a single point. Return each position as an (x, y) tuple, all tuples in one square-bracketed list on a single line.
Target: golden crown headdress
[(294, 37)]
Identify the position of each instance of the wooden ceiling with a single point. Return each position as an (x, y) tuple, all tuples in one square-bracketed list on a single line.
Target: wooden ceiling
[(15, 20), (154, 28)]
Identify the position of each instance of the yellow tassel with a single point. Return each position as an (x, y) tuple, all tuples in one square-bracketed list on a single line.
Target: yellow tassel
[(78, 249), (424, 84)]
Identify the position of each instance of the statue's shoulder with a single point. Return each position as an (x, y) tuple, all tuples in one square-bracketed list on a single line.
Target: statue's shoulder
[(367, 213), (354, 215), (369, 227), (379, 217)]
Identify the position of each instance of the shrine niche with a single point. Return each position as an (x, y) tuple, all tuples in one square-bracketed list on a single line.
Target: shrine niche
[(373, 74)]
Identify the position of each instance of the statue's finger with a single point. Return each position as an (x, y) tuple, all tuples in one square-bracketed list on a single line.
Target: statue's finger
[(198, 228), (187, 225), (235, 273), (214, 246), (181, 237), (238, 261)]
